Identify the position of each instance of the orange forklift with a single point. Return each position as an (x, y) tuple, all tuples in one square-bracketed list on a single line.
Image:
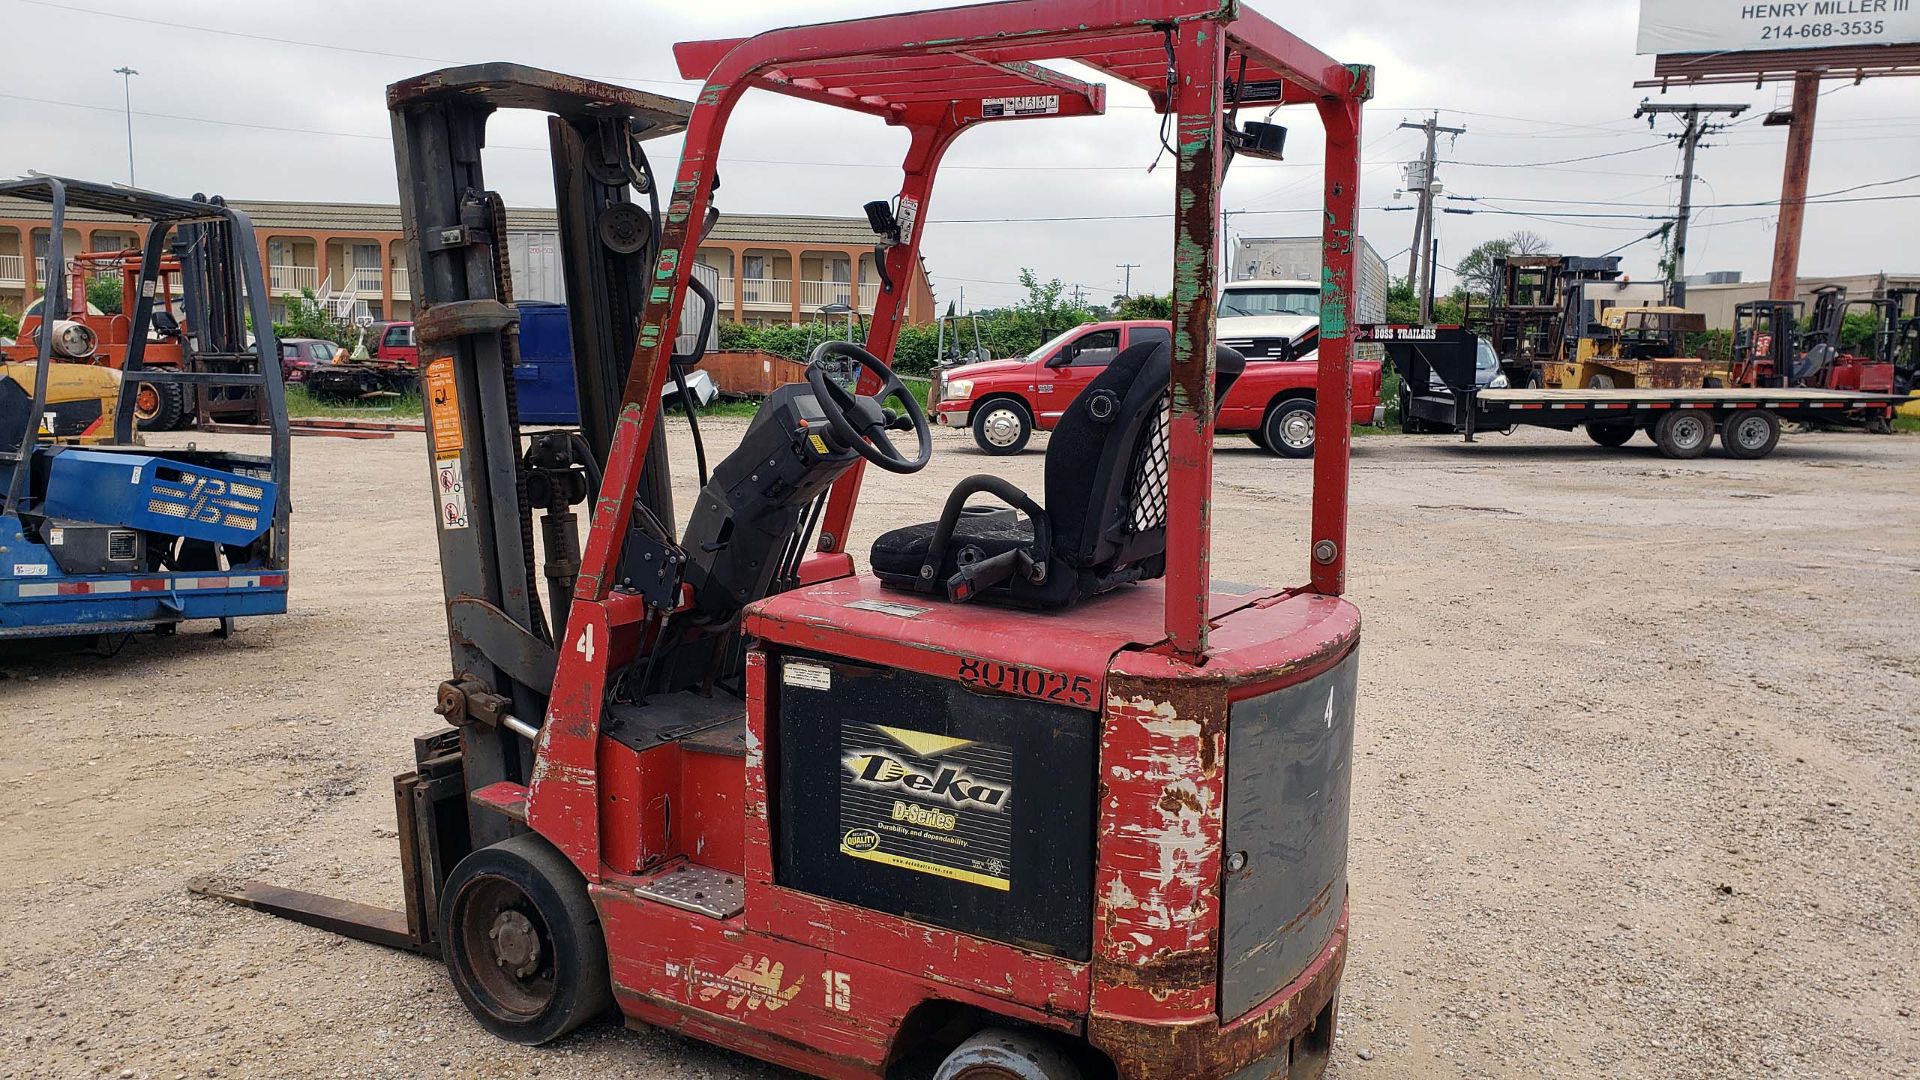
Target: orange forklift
[(195, 288), (1033, 796)]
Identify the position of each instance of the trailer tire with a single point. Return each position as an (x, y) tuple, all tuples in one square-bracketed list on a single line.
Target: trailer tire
[(1611, 435), (1684, 434), (1750, 433), (999, 1053), (1289, 428), (1002, 427), (523, 942), (158, 406)]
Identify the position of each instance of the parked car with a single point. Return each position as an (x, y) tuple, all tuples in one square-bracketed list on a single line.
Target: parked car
[(301, 355), (1004, 401)]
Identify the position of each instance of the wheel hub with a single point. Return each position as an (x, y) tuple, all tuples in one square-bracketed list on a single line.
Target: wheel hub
[(1297, 429), (1752, 433), (1002, 427), (516, 944)]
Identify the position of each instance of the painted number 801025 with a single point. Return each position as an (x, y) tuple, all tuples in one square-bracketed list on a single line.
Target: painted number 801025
[(1075, 690)]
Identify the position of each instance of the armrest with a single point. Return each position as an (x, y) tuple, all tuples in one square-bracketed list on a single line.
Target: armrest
[(965, 584)]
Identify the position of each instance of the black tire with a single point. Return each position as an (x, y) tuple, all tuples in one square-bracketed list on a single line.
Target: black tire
[(1750, 434), (1008, 1054), (1289, 428), (1533, 380), (522, 941), (159, 406), (1600, 382), (1684, 434), (1611, 435), (1002, 427), (1259, 437)]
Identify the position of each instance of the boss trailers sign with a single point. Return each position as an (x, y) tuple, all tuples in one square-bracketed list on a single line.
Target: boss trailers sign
[(1721, 26)]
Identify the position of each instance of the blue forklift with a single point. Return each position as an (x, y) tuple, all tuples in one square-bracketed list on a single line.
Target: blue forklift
[(98, 534)]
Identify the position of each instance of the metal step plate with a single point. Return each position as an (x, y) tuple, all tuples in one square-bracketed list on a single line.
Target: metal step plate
[(699, 889)]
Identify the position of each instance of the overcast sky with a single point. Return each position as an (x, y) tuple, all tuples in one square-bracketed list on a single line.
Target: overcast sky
[(1532, 83)]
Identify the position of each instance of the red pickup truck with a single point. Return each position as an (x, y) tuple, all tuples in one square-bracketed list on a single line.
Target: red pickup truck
[(1005, 400)]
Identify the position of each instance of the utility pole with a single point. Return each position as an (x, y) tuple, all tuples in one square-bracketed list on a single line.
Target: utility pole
[(1127, 290), (1423, 227), (1689, 138), (126, 85)]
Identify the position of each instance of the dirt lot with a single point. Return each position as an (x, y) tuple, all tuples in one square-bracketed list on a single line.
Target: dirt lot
[(1634, 796)]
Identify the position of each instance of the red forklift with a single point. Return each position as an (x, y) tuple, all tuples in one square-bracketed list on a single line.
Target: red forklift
[(1033, 796)]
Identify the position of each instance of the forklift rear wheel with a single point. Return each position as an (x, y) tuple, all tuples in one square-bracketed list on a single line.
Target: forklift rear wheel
[(1683, 434), (1003, 427), (158, 406), (1289, 428), (523, 942), (1600, 382), (1007, 1054), (1750, 433), (1611, 434)]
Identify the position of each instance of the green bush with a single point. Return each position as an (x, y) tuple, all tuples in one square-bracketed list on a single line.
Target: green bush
[(307, 319), (104, 292), (9, 325)]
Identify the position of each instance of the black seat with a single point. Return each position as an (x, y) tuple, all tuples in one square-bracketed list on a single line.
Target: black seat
[(1105, 520)]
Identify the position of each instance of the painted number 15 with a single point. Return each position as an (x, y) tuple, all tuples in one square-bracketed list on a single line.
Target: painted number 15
[(838, 989)]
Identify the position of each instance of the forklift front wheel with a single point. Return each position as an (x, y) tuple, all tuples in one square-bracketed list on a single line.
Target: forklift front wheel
[(1007, 1054), (523, 942)]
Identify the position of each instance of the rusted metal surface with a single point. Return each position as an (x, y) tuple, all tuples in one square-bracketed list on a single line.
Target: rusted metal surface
[(1340, 116), (1199, 50), (1771, 65), (1793, 187), (514, 86), (381, 926)]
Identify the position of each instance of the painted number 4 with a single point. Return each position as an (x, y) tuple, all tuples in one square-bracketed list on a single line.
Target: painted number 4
[(839, 990), (585, 645)]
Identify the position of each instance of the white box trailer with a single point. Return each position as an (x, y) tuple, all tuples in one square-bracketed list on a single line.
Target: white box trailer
[(1298, 257)]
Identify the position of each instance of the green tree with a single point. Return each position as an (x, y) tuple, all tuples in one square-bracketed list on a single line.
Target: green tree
[(1478, 271), (9, 324), (105, 294), (1144, 306)]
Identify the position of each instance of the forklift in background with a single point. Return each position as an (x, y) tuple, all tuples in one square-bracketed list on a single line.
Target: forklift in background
[(1036, 797), (188, 294), (97, 534), (1773, 346), (1572, 322)]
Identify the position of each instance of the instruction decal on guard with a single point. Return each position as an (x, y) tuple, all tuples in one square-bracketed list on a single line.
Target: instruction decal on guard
[(928, 803)]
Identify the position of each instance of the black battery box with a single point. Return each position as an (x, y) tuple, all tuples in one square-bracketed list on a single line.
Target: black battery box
[(919, 797)]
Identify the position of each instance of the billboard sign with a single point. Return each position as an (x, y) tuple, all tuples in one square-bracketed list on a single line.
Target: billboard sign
[(1720, 26)]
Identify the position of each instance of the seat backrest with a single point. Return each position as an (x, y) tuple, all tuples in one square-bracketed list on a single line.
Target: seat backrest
[(1106, 479)]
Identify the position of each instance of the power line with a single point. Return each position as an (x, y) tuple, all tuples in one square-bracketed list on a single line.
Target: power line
[(1562, 161)]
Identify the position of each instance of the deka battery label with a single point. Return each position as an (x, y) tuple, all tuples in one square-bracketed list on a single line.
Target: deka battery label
[(928, 803)]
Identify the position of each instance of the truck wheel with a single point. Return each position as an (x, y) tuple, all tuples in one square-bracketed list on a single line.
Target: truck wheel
[(1007, 1054), (1750, 433), (522, 941), (1683, 433), (1611, 434), (1289, 428), (158, 406), (1002, 427)]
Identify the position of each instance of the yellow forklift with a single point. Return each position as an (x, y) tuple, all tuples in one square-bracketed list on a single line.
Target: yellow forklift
[(1616, 334)]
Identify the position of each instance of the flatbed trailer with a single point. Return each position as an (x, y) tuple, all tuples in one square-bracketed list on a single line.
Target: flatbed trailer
[(1436, 364)]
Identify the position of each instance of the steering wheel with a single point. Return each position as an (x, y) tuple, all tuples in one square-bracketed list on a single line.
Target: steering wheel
[(862, 422)]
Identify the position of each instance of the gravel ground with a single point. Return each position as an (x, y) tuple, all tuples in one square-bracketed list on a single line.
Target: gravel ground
[(1634, 797)]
